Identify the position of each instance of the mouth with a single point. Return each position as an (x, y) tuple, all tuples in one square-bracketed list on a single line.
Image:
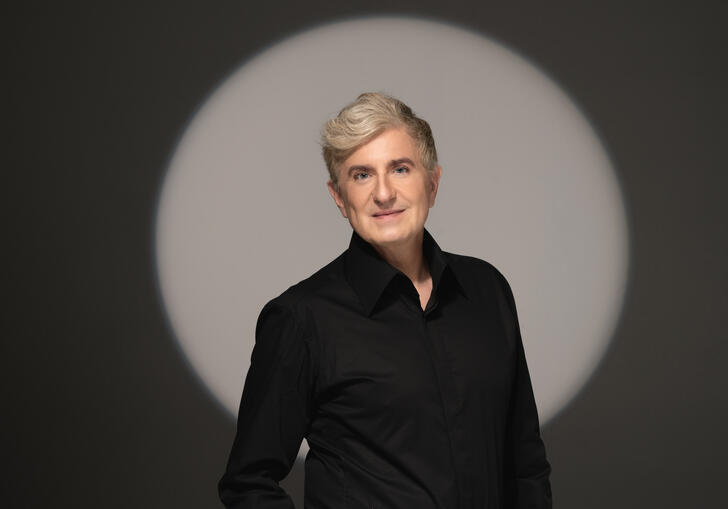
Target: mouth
[(388, 213)]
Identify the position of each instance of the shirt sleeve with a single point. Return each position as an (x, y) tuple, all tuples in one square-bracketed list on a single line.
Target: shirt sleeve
[(274, 413), (526, 468)]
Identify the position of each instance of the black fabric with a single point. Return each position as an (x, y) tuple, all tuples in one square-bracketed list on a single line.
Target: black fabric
[(402, 407)]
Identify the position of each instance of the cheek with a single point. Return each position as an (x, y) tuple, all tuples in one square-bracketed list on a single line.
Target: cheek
[(422, 196), (357, 203)]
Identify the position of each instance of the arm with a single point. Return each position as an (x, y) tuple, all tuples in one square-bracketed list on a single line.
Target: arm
[(274, 413), (526, 467)]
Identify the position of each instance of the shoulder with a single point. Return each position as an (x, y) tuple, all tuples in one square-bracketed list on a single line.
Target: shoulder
[(476, 274), (295, 301), (483, 280)]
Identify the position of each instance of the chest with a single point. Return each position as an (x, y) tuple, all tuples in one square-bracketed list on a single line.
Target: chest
[(404, 364)]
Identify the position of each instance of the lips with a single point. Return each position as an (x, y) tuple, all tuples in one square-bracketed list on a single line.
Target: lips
[(387, 213)]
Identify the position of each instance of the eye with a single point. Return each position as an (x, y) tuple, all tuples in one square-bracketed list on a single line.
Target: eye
[(360, 174), (401, 169)]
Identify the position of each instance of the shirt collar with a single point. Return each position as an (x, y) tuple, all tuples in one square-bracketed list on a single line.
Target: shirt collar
[(369, 274)]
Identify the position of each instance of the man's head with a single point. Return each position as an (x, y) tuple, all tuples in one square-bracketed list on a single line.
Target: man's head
[(383, 167), (366, 117)]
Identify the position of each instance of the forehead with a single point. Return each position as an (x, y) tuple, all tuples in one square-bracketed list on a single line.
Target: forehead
[(392, 143)]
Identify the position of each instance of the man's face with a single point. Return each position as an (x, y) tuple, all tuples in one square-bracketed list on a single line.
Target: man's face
[(384, 191)]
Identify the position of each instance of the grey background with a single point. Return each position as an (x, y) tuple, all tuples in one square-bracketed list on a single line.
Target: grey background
[(98, 406)]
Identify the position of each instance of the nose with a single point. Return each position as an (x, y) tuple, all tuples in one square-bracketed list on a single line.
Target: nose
[(384, 191)]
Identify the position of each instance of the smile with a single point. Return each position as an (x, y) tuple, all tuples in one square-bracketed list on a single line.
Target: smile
[(389, 215)]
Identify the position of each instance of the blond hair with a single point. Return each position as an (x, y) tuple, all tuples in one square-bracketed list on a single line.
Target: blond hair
[(365, 118)]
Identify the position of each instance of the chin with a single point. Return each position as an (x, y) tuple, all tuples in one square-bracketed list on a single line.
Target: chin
[(390, 236)]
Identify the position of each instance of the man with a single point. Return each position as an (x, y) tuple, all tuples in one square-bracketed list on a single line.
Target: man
[(401, 364)]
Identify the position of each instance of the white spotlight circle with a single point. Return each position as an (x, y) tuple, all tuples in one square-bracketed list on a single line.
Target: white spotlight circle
[(526, 185)]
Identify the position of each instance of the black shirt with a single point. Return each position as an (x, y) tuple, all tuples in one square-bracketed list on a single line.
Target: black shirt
[(403, 408)]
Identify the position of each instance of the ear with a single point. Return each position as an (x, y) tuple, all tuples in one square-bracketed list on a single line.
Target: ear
[(434, 183), (336, 195)]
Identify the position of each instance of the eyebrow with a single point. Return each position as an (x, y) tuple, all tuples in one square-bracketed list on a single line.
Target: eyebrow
[(391, 164)]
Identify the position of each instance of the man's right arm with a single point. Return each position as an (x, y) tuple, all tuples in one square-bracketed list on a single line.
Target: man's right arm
[(274, 413)]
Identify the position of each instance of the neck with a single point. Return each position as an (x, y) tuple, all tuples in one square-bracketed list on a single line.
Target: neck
[(407, 258)]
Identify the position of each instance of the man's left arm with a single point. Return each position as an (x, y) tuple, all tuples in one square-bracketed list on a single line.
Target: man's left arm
[(526, 470)]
